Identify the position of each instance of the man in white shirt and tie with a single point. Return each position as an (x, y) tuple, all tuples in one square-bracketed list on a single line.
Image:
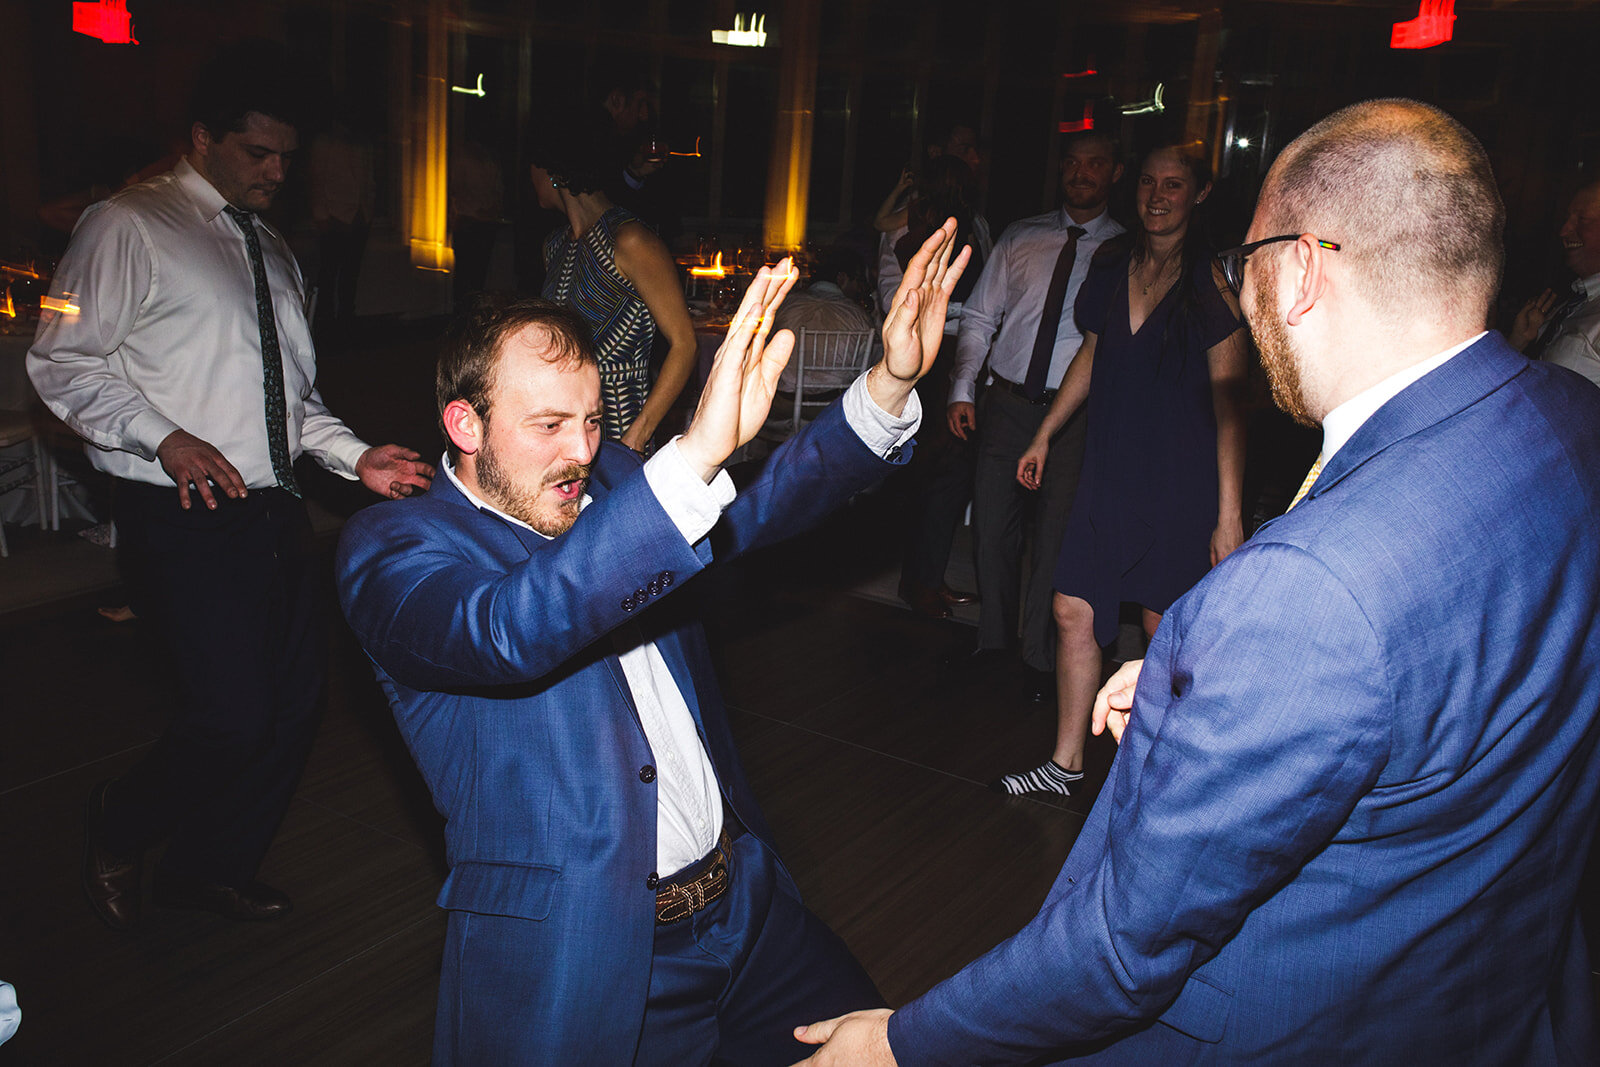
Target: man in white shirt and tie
[(1009, 319), (1567, 330), (181, 353)]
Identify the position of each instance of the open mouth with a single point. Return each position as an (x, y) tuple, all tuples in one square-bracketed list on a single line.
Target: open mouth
[(570, 489)]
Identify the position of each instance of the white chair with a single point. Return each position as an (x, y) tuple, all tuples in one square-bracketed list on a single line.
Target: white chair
[(841, 354), (17, 428)]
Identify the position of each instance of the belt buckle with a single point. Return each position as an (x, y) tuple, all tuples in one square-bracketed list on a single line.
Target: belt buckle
[(678, 902)]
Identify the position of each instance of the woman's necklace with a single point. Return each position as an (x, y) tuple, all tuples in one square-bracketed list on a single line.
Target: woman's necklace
[(1161, 273)]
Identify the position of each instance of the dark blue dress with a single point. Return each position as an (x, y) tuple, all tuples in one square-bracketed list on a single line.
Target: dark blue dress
[(1146, 505)]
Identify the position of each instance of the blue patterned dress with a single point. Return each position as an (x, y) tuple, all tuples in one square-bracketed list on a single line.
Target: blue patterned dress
[(582, 273)]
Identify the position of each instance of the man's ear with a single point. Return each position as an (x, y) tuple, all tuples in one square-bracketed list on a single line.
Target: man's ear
[(465, 428), (1116, 175), (200, 137), (1311, 278)]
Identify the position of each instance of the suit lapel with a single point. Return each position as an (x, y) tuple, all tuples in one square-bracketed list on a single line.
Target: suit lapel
[(1445, 391)]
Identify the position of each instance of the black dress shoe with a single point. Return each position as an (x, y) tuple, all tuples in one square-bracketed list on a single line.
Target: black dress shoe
[(252, 901), (957, 596), (111, 882)]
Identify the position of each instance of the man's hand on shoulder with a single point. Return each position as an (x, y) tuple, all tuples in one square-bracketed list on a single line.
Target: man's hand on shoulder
[(914, 327), (393, 471), (191, 461), (860, 1039)]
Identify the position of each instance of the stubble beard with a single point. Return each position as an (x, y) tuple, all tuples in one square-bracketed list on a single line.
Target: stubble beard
[(526, 503), (1278, 356)]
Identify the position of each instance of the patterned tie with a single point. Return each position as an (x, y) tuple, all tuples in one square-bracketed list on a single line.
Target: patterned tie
[(1044, 342), (1305, 486), (271, 358)]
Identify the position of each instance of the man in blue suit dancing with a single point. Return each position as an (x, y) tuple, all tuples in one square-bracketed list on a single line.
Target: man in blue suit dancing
[(1358, 777), (614, 893)]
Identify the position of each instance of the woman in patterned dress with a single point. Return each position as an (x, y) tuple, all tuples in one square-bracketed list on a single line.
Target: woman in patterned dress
[(617, 274)]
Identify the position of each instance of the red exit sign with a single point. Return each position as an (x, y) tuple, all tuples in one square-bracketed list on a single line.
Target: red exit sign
[(105, 20)]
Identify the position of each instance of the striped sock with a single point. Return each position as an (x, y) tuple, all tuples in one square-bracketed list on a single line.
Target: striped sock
[(1050, 777)]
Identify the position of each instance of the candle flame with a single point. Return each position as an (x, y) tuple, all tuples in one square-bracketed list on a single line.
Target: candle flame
[(714, 271)]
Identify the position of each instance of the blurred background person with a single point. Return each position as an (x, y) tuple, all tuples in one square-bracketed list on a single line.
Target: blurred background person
[(1566, 329), (477, 209), (942, 468), (1159, 498), (343, 191)]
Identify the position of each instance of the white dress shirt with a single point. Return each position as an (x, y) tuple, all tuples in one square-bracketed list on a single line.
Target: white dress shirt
[(1340, 424), (1007, 303), (688, 798), (890, 274), (1576, 344), (162, 335)]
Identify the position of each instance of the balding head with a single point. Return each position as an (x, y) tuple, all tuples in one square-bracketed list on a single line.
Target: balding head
[(1408, 193)]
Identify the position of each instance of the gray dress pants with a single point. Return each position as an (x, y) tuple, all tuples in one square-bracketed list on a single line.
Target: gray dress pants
[(1005, 515)]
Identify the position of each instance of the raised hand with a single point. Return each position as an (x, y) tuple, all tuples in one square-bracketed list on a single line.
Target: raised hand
[(744, 376), (915, 324), (1531, 319)]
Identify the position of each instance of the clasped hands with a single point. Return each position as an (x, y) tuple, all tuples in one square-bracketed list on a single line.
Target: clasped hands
[(744, 375)]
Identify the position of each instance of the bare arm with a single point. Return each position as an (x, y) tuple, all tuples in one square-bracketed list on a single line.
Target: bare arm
[(643, 260), (1226, 362), (891, 215), (1073, 392)]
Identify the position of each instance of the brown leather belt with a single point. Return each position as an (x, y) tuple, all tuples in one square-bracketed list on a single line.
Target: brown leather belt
[(698, 885), (1019, 392)]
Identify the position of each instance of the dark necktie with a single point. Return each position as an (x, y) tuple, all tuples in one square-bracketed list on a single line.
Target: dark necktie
[(1044, 342), (271, 358), (1552, 325)]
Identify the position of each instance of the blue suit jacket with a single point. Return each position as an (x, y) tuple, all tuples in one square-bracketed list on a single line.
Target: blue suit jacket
[(493, 646), (1347, 821)]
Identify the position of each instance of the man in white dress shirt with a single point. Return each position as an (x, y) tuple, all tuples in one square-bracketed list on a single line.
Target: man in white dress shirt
[(1000, 329), (182, 355), (1567, 331)]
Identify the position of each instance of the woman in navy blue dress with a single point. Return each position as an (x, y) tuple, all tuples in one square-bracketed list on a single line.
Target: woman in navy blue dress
[(1159, 500)]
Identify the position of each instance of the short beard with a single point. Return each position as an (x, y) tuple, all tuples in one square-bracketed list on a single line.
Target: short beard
[(1278, 356), (523, 503)]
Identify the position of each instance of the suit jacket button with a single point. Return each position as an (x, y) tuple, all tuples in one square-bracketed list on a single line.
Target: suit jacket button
[(647, 773), (665, 578), (627, 603), (652, 881)]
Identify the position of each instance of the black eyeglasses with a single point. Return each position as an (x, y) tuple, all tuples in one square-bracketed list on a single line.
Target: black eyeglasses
[(1233, 258)]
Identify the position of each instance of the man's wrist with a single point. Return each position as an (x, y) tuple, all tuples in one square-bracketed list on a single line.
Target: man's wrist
[(888, 391)]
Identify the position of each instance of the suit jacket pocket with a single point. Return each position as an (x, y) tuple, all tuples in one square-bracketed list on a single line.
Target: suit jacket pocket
[(515, 890), (1201, 1011)]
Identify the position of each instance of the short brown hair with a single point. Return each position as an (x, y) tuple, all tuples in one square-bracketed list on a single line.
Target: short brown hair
[(471, 353), (1409, 193)]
